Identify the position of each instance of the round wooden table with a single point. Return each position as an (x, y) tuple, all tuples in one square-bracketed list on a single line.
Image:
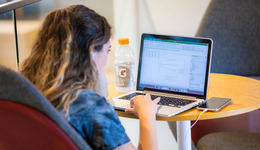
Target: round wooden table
[(244, 91)]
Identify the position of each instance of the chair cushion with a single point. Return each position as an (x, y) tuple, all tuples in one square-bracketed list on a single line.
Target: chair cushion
[(22, 127), (230, 141)]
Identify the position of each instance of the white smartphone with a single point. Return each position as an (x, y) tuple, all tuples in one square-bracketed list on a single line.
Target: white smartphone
[(214, 104)]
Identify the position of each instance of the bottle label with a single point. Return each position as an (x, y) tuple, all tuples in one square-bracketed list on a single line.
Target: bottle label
[(125, 75)]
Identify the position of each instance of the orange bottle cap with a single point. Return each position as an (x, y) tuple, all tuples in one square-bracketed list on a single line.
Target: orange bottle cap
[(123, 41)]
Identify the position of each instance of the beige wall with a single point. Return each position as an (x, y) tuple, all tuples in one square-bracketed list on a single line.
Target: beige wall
[(27, 31)]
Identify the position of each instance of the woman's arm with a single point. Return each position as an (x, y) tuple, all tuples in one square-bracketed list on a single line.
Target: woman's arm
[(146, 109), (148, 138)]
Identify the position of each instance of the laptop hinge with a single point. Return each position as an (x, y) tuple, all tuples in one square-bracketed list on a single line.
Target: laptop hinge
[(170, 95)]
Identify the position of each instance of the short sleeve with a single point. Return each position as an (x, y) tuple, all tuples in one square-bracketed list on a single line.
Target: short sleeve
[(97, 122)]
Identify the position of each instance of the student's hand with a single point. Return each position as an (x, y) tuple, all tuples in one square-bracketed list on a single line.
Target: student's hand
[(143, 106)]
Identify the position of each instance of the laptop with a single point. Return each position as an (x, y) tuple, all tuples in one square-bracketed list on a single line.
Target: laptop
[(174, 68)]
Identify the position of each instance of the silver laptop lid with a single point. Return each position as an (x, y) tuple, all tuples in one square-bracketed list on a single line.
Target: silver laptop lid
[(173, 64)]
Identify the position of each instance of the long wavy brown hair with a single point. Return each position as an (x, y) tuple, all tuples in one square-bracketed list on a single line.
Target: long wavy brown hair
[(60, 61)]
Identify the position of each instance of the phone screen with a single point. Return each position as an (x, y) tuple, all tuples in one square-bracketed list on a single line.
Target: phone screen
[(215, 103)]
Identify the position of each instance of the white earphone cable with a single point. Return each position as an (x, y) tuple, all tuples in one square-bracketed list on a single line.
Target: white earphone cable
[(196, 120)]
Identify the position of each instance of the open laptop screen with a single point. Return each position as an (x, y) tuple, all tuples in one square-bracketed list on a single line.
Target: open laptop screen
[(174, 64)]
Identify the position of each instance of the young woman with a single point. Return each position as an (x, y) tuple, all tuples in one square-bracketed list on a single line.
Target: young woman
[(66, 64)]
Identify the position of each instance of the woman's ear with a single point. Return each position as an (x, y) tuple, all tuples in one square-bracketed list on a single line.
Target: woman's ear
[(92, 54)]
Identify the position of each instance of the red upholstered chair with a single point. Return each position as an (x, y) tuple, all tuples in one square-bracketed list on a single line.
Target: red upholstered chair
[(28, 121), (22, 127)]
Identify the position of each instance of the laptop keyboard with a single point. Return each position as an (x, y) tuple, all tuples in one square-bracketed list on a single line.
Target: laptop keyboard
[(167, 101)]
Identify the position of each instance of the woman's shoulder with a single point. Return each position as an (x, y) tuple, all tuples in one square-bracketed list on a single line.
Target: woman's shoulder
[(86, 97), (87, 101)]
